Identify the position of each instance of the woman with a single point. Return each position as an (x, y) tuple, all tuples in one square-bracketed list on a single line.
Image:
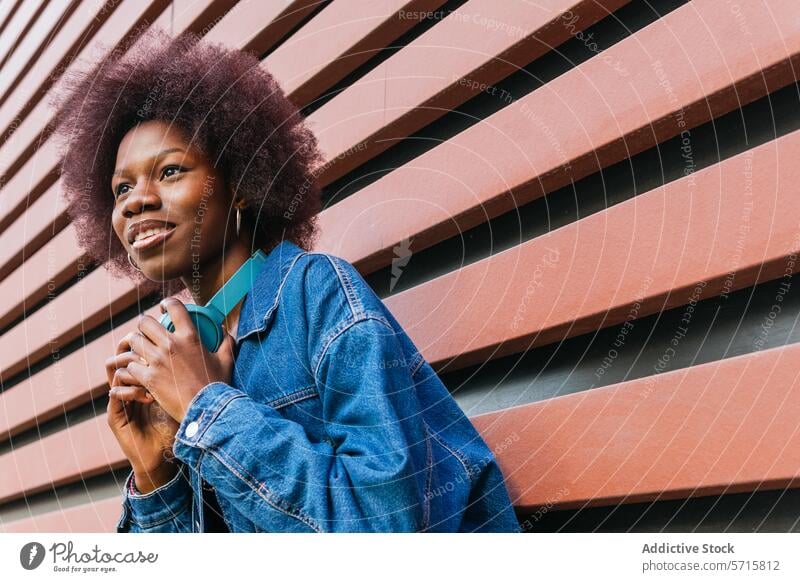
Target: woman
[(320, 414)]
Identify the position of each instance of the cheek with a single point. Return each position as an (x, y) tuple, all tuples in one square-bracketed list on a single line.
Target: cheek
[(209, 213), (117, 226)]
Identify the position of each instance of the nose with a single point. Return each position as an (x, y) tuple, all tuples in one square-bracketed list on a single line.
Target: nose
[(145, 195)]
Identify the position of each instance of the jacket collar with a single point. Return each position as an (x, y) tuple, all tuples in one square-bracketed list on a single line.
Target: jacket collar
[(261, 300)]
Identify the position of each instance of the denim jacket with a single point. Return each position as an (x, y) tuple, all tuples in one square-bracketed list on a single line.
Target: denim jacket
[(333, 421)]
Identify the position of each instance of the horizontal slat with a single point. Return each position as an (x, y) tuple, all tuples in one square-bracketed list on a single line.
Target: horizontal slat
[(198, 16), (43, 220), (580, 122), (40, 277), (125, 21), (84, 450), (98, 517), (83, 306), (422, 81), (256, 26), (442, 324), (22, 21), (39, 171), (338, 40), (7, 10), (588, 275), (78, 32), (723, 427), (45, 163), (34, 42), (38, 174), (71, 381)]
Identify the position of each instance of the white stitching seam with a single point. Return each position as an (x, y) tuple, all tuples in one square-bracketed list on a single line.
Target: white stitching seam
[(293, 397), (456, 454), (336, 332), (353, 301), (274, 306), (426, 512), (276, 503)]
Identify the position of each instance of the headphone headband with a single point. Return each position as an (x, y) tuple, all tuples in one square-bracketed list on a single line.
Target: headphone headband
[(238, 285), (208, 318)]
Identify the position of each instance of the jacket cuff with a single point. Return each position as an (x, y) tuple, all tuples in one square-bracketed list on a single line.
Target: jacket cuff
[(163, 503), (203, 410)]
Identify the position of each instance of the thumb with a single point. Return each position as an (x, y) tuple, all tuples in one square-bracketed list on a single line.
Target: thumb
[(116, 414)]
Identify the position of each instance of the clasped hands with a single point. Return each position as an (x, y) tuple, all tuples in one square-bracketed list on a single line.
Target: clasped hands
[(153, 363)]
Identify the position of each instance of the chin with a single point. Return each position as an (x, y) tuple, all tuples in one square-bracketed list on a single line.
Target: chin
[(162, 269)]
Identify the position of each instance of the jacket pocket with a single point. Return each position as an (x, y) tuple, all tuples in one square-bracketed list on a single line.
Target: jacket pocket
[(303, 406)]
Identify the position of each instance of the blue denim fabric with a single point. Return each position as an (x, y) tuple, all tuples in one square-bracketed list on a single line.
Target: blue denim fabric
[(333, 421)]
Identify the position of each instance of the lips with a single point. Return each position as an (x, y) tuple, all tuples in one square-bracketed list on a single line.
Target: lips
[(153, 240)]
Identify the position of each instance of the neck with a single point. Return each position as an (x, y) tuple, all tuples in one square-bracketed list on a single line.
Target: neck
[(212, 274)]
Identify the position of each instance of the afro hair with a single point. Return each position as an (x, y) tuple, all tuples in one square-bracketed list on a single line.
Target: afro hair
[(223, 100)]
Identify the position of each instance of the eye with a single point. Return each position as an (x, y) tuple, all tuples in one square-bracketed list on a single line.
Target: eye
[(168, 168), (164, 174), (118, 191)]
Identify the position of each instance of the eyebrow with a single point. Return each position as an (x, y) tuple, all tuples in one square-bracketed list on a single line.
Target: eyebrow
[(160, 154)]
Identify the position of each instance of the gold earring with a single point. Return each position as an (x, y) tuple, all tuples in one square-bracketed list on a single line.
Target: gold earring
[(130, 260)]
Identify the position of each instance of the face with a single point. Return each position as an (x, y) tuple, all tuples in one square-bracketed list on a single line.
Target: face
[(163, 179)]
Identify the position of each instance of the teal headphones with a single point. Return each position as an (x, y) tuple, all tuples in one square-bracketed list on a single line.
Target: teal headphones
[(208, 318)]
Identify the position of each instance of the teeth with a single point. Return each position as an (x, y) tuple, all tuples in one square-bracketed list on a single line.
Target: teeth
[(149, 232)]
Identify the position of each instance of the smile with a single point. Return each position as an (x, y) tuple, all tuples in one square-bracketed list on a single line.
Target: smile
[(151, 240)]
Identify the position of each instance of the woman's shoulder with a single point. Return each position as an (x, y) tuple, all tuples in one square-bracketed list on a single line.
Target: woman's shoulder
[(328, 281), (331, 296)]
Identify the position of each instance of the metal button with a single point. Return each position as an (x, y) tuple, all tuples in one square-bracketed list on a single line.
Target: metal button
[(191, 429)]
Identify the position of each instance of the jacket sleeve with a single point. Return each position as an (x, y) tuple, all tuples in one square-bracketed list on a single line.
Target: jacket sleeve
[(167, 509), (361, 478)]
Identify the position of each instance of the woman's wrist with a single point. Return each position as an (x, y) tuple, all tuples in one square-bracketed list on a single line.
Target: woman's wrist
[(147, 481)]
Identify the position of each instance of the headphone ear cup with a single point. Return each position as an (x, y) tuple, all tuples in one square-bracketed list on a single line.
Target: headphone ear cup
[(208, 328), (166, 322)]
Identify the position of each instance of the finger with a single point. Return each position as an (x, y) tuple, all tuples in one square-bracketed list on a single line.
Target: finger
[(131, 393), (179, 315), (124, 344), (142, 346), (141, 376), (123, 377), (118, 361), (116, 411), (121, 412), (151, 329)]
